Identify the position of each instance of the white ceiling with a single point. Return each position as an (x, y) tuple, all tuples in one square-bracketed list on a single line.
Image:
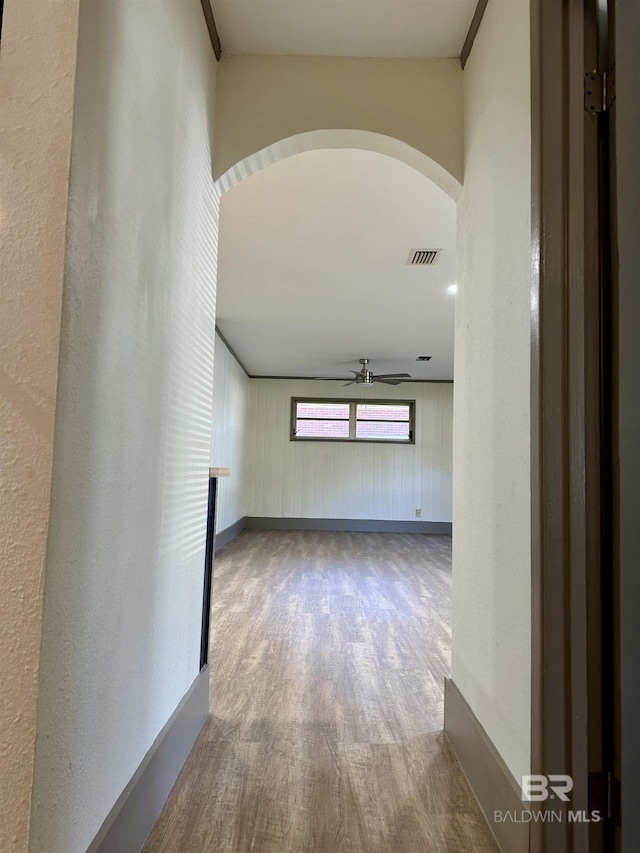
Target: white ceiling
[(399, 28), (313, 274)]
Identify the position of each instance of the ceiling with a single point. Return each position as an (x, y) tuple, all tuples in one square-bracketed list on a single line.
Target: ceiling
[(398, 28), (313, 274)]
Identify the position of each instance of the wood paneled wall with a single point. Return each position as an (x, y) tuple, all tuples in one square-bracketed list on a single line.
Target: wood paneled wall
[(288, 479)]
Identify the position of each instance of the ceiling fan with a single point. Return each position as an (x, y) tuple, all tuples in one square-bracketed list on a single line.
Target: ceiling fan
[(365, 377)]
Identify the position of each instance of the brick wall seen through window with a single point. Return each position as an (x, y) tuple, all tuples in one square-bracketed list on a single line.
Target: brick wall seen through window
[(352, 420)]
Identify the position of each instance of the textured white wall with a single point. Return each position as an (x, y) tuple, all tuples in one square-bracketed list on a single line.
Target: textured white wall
[(288, 479), (491, 510), (123, 598), (229, 441), (264, 99), (37, 83)]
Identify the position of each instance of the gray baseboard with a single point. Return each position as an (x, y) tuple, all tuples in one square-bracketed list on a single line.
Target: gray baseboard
[(355, 525), (225, 536), (131, 819), (490, 778)]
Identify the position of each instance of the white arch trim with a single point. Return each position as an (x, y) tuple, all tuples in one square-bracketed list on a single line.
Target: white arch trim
[(328, 139)]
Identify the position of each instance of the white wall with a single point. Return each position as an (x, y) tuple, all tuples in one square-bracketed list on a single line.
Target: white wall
[(288, 479), (491, 511), (229, 440), (121, 637), (265, 99)]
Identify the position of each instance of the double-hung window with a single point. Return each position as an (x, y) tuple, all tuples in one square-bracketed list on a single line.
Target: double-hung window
[(320, 419)]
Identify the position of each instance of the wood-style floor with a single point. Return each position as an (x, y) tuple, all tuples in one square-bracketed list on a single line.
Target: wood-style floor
[(328, 655)]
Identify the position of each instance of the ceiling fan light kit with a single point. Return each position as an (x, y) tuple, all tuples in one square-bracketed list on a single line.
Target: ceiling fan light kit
[(364, 376)]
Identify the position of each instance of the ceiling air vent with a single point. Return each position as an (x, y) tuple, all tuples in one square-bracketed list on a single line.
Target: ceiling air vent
[(423, 257)]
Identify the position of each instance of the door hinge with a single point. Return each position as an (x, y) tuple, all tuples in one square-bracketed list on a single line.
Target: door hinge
[(599, 90), (604, 795)]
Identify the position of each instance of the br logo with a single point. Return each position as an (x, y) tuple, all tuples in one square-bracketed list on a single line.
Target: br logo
[(537, 788)]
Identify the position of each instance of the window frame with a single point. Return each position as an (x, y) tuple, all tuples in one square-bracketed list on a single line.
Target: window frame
[(353, 404)]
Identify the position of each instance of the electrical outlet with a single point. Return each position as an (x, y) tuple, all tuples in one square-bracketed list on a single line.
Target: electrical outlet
[(418, 513)]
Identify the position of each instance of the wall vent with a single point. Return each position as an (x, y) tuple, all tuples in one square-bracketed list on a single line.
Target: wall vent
[(423, 257)]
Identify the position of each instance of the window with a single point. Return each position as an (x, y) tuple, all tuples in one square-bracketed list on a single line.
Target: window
[(388, 421)]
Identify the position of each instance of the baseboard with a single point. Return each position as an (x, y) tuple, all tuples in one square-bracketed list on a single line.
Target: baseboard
[(490, 778), (351, 525), (225, 536), (131, 819)]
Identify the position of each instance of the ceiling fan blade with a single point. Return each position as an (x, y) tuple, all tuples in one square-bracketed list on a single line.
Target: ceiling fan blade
[(353, 382), (392, 376), (388, 381)]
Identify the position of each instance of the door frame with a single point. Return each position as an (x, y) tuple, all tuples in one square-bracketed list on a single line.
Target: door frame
[(571, 385), (625, 143)]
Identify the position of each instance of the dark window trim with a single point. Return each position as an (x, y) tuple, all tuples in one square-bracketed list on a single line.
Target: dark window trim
[(353, 403)]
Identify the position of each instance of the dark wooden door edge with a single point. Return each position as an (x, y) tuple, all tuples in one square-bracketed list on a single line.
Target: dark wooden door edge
[(208, 573)]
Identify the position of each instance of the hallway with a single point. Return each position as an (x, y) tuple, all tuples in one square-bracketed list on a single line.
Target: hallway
[(328, 656)]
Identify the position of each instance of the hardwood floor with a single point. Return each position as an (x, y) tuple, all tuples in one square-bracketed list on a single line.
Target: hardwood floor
[(328, 655)]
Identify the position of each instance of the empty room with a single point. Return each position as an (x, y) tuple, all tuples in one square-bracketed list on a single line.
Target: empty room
[(331, 617)]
